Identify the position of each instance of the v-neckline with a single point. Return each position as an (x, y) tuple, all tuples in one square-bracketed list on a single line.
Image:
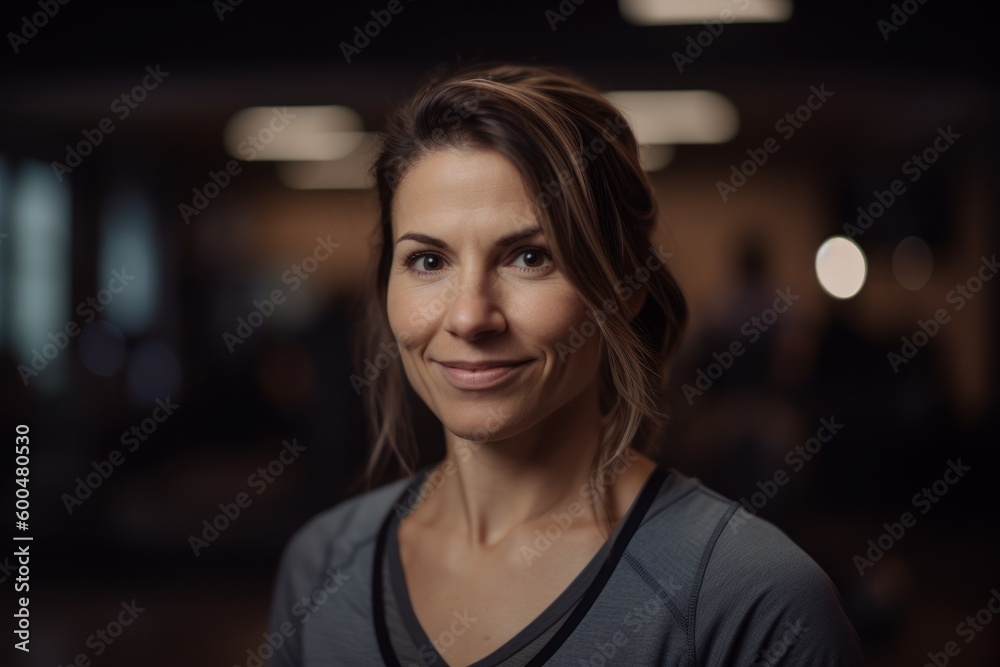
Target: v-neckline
[(575, 598)]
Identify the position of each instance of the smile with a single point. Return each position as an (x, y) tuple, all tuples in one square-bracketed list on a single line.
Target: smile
[(480, 378)]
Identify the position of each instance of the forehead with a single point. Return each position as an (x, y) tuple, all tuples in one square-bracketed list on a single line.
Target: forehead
[(463, 189)]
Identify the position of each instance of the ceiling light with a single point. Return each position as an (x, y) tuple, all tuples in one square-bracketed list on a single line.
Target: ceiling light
[(677, 116), (684, 12), (293, 133)]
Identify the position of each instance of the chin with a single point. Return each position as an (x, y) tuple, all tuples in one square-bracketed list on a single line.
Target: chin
[(482, 424)]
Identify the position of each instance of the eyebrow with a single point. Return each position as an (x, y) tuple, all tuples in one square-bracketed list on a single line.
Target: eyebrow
[(510, 239)]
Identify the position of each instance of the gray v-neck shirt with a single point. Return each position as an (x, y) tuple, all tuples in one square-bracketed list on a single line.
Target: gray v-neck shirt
[(410, 642), (695, 580)]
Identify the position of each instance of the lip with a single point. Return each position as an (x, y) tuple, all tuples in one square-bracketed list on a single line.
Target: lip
[(480, 374)]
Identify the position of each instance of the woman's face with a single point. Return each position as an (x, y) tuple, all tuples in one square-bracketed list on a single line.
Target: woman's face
[(472, 281)]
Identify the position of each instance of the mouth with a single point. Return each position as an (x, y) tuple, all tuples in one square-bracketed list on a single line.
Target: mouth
[(480, 375)]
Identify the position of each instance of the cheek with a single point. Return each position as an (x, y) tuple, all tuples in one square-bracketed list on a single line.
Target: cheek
[(397, 312), (403, 324), (412, 315), (559, 317)]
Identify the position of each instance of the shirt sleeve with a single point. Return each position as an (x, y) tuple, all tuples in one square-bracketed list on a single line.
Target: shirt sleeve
[(299, 574), (764, 601)]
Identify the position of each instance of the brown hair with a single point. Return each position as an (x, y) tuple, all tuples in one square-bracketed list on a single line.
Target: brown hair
[(579, 162)]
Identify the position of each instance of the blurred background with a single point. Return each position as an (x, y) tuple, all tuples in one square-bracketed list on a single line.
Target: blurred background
[(826, 173)]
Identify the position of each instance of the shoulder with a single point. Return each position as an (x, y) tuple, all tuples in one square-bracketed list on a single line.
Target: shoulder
[(333, 536), (706, 533), (762, 596), (341, 528), (748, 593), (753, 560), (750, 545)]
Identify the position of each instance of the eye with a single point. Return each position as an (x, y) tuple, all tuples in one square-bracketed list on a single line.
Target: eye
[(432, 262), (535, 258)]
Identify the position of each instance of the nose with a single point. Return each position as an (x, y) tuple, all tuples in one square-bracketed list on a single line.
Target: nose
[(475, 311)]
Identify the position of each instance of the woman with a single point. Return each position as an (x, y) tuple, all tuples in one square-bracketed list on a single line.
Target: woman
[(518, 288)]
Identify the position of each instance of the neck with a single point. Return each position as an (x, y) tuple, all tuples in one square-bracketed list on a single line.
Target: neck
[(491, 489)]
